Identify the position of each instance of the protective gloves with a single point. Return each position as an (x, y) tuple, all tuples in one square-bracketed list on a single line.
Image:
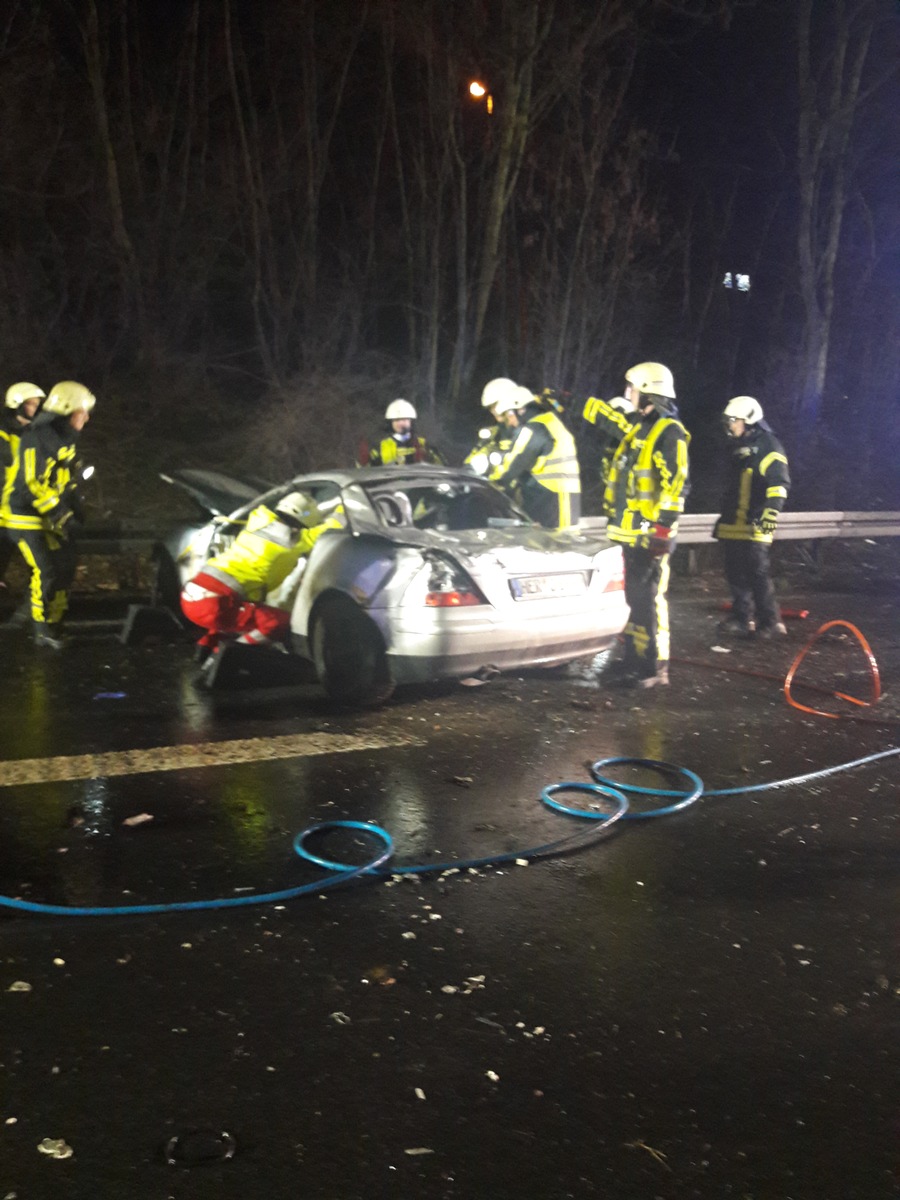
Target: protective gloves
[(767, 521), (659, 540)]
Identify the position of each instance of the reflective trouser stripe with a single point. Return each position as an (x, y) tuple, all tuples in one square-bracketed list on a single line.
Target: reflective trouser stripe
[(52, 570), (647, 631)]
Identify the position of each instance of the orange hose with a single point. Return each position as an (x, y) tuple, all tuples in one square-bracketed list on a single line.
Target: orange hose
[(873, 672)]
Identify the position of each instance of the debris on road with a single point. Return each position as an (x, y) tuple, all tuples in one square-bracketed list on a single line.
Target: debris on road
[(55, 1148)]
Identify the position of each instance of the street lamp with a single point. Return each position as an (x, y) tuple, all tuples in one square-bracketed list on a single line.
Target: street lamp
[(479, 91)]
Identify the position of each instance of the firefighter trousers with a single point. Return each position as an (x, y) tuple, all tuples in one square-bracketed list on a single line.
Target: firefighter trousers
[(647, 631), (52, 561), (553, 510), (750, 582)]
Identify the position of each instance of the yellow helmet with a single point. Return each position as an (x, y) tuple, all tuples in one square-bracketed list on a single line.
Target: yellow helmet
[(300, 507), (652, 378), (69, 397), (18, 393)]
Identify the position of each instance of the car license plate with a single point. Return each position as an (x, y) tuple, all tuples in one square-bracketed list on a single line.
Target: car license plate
[(540, 587)]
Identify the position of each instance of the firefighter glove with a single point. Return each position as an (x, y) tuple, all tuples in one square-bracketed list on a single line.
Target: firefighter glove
[(659, 540), (767, 521)]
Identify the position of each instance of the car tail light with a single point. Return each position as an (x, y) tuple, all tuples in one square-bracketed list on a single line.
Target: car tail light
[(450, 587), (616, 581)]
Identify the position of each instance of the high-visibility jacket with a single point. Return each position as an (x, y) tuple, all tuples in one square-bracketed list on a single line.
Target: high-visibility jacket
[(544, 450), (390, 451), (759, 477), (263, 554), (11, 432), (43, 489), (648, 480)]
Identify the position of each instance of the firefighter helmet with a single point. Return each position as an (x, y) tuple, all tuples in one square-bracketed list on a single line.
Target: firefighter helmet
[(69, 397), (18, 393), (515, 400), (301, 508), (400, 410), (744, 408), (653, 379), (497, 390)]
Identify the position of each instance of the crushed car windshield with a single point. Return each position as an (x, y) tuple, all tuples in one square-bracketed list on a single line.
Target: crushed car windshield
[(445, 506)]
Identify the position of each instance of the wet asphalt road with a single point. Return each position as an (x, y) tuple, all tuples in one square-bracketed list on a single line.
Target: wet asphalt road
[(704, 1005)]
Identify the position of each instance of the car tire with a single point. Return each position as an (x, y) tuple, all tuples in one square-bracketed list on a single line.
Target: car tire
[(349, 655)]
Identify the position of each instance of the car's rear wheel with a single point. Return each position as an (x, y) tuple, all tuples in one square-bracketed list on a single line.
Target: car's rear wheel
[(349, 654)]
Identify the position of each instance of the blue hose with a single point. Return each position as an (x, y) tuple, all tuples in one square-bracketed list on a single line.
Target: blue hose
[(602, 824)]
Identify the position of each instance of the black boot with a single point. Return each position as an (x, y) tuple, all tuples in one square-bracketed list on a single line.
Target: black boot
[(49, 636)]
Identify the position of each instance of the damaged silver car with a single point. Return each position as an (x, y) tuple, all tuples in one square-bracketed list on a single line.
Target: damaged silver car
[(435, 575)]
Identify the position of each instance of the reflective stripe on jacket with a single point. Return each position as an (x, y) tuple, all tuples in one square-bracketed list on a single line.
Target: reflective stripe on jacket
[(9, 466), (648, 479), (759, 478)]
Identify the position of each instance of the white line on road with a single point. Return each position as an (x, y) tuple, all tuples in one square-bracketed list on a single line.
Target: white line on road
[(179, 758)]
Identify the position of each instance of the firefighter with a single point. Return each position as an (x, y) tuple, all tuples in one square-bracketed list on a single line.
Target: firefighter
[(494, 441), (644, 497), (228, 594), (402, 445), (22, 402), (756, 491), (542, 463), (44, 506)]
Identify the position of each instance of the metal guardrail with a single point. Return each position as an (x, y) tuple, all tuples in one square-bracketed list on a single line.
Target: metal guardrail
[(696, 528), (693, 529)]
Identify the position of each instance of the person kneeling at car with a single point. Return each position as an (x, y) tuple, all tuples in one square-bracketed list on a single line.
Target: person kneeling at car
[(227, 597)]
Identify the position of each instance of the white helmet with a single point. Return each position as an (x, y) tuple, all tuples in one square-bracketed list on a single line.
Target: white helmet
[(515, 400), (744, 408), (652, 378), (300, 506), (18, 393), (399, 410), (620, 404), (69, 397), (497, 390)]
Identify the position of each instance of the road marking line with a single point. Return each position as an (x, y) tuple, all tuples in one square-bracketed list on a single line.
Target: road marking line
[(202, 754)]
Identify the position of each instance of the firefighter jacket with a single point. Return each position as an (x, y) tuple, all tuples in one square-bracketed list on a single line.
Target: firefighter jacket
[(43, 492), (544, 450), (391, 450), (11, 431), (758, 479), (263, 554), (648, 479)]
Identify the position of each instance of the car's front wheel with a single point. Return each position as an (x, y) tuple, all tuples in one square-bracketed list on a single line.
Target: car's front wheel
[(349, 655)]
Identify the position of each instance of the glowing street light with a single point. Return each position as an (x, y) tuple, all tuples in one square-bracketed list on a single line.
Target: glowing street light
[(478, 91)]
